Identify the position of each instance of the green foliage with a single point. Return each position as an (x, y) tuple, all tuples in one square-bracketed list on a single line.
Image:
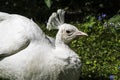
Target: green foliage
[(115, 19), (48, 3), (100, 51), (114, 22)]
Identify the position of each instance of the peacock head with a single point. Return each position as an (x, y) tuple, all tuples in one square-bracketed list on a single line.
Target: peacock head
[(66, 32), (69, 32)]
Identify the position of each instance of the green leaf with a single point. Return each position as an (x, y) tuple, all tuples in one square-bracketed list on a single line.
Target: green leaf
[(88, 62), (48, 3)]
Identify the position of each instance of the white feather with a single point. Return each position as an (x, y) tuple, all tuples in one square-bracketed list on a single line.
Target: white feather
[(56, 19), (29, 54)]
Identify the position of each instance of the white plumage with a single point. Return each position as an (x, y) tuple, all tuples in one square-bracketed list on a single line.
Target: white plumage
[(26, 53)]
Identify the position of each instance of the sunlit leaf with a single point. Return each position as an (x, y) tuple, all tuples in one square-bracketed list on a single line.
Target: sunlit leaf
[(48, 3)]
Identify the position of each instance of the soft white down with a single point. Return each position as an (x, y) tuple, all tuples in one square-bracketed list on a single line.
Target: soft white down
[(26, 53)]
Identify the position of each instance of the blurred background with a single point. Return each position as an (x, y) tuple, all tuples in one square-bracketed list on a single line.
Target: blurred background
[(100, 51), (76, 9)]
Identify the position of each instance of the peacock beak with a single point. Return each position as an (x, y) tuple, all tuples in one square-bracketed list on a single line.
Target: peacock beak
[(80, 33)]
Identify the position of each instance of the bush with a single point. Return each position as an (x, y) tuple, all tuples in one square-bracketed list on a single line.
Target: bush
[(100, 51)]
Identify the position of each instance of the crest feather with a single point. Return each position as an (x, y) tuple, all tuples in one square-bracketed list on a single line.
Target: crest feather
[(56, 19)]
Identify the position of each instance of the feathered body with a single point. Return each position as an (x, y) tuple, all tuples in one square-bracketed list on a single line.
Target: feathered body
[(26, 53)]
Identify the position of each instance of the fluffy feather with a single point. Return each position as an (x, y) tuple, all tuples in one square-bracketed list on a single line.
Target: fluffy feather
[(56, 19), (32, 55)]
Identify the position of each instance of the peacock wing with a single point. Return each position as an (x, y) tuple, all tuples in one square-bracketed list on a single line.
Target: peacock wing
[(12, 36)]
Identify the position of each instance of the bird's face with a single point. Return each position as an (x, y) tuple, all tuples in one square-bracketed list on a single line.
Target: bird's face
[(69, 32)]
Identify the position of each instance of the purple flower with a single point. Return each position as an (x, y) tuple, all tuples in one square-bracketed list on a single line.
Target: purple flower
[(103, 15), (99, 18), (111, 77)]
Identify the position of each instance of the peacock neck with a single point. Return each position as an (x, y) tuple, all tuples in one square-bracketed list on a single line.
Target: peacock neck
[(59, 42)]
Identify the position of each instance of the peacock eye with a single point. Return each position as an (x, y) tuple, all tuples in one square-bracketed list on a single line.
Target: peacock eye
[(67, 31)]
